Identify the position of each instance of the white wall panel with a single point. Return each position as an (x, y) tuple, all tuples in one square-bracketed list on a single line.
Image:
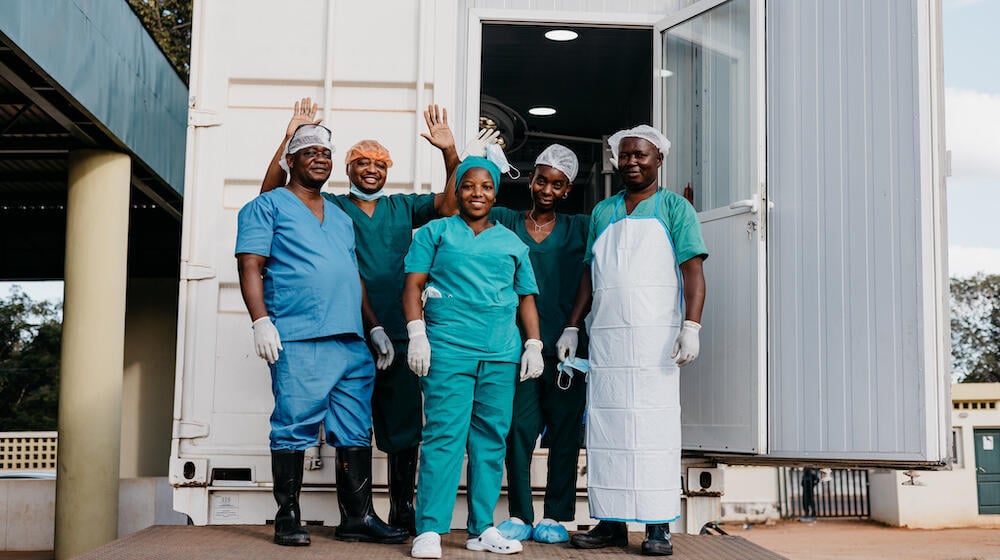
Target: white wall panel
[(375, 41), (251, 60), (848, 366), (265, 40)]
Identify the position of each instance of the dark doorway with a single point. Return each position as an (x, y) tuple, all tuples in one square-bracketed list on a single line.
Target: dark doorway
[(598, 83)]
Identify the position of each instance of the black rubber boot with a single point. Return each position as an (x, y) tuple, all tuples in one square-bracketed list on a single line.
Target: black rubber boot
[(606, 533), (358, 520), (402, 479), (657, 541), (286, 469)]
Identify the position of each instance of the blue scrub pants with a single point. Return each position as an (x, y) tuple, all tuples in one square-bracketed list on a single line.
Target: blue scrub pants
[(326, 380), (467, 406)]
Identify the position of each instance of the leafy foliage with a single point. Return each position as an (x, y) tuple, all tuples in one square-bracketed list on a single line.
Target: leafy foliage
[(30, 337), (169, 23), (975, 328)]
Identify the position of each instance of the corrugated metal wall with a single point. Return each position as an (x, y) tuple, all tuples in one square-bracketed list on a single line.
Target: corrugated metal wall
[(846, 285)]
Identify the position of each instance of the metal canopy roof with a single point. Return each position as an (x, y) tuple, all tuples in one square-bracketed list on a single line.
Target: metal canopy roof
[(41, 121)]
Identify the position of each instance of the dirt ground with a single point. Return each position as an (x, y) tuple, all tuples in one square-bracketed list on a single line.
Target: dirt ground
[(835, 539)]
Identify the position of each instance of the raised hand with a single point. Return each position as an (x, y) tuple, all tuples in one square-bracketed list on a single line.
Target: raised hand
[(304, 112), (438, 132)]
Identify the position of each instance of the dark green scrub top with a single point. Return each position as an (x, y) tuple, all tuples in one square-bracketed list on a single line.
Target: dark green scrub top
[(382, 241), (558, 264)]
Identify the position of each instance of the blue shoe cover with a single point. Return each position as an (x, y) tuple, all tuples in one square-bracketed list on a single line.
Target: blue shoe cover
[(546, 533), (515, 529)]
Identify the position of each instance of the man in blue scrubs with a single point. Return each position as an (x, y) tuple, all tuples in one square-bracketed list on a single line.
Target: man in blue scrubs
[(383, 227), (300, 282)]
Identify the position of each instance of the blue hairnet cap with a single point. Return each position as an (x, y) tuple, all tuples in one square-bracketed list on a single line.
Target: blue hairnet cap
[(472, 162)]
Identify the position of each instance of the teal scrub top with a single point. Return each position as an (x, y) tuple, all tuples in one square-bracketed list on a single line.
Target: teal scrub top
[(382, 241), (311, 285), (558, 264), (674, 212), (479, 278)]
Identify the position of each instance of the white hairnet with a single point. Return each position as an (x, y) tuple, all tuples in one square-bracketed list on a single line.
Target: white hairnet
[(307, 136), (559, 157), (643, 131)]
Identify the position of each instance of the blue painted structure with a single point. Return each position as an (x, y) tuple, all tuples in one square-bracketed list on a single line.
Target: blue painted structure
[(100, 54)]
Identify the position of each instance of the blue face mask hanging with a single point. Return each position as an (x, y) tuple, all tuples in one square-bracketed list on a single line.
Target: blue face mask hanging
[(367, 197)]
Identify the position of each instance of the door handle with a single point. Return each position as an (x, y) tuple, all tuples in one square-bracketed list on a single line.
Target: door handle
[(981, 469), (750, 203)]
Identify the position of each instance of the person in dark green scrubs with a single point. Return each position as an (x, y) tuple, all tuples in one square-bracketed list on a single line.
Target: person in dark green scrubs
[(556, 244), (383, 226)]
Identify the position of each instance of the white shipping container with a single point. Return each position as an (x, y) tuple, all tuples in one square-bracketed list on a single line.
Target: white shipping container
[(813, 133)]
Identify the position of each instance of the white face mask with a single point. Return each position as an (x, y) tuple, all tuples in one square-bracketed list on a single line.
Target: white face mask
[(495, 154)]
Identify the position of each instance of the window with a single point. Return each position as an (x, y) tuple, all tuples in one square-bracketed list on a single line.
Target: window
[(707, 86)]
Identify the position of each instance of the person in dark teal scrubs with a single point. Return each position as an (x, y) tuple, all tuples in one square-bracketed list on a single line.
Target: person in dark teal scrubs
[(383, 226), (556, 244)]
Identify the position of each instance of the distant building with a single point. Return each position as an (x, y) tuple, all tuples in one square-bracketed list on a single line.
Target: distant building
[(968, 495)]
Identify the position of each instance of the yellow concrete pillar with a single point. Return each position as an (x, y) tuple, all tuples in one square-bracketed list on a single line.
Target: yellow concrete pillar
[(93, 342)]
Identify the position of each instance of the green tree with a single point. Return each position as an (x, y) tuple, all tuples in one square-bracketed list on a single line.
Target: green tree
[(975, 328), (169, 23), (30, 336)]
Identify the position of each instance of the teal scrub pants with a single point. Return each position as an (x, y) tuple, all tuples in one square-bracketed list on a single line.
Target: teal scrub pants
[(467, 406), (539, 404), (396, 407)]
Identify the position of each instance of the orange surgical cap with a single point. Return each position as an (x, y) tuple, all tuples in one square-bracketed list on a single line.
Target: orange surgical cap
[(368, 149)]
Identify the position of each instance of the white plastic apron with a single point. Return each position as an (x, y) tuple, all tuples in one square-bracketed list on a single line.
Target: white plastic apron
[(633, 399)]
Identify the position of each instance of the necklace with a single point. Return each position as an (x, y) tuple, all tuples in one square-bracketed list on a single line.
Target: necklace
[(540, 227)]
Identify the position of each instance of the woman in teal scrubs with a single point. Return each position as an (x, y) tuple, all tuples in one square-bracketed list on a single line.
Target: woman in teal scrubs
[(554, 402), (475, 279)]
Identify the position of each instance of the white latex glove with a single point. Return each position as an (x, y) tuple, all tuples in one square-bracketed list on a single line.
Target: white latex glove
[(532, 363), (383, 347), (686, 346), (418, 354), (477, 147), (566, 345), (266, 339)]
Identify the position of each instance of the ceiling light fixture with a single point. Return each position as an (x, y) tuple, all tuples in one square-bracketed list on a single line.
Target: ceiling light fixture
[(542, 111), (561, 35)]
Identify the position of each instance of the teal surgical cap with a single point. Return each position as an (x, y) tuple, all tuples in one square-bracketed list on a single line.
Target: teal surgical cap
[(472, 162)]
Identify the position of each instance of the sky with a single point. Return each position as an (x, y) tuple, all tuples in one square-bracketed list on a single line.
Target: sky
[(972, 132)]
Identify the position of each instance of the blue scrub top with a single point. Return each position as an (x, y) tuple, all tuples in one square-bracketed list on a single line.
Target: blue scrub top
[(480, 278), (311, 283), (672, 210)]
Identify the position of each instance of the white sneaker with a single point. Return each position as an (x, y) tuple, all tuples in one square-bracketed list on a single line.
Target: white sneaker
[(492, 541), (426, 545)]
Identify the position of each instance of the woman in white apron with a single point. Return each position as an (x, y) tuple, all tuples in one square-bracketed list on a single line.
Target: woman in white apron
[(645, 252)]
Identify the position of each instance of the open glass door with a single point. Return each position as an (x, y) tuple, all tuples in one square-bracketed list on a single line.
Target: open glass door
[(709, 99)]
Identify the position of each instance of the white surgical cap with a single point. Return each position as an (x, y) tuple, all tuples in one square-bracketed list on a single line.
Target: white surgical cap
[(643, 131), (559, 157), (307, 136)]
